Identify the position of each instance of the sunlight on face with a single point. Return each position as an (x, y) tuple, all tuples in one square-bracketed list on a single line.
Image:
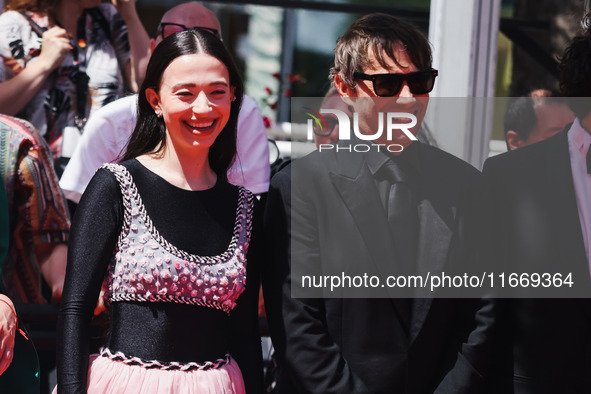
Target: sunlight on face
[(195, 99)]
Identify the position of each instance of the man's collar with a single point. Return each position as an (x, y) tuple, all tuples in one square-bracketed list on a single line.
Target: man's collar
[(578, 136), (408, 158)]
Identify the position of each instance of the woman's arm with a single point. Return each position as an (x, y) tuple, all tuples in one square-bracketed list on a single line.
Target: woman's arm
[(93, 239), (8, 324), (139, 43), (16, 92), (8, 319)]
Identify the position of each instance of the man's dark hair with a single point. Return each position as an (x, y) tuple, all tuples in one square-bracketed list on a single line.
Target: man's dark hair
[(575, 70), (521, 114), (378, 33), (520, 117), (149, 135)]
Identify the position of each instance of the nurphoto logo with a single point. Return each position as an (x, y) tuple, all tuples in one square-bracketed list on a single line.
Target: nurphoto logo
[(394, 122)]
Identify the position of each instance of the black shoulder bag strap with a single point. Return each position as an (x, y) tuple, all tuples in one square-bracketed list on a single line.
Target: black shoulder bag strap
[(36, 28), (52, 103), (80, 77), (99, 17)]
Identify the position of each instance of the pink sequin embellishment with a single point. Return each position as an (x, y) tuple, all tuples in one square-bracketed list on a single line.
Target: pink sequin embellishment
[(160, 272)]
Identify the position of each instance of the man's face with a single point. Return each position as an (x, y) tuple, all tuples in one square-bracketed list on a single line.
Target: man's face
[(368, 104), (552, 118)]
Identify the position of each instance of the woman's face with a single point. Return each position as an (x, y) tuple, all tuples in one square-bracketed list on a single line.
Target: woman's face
[(195, 100)]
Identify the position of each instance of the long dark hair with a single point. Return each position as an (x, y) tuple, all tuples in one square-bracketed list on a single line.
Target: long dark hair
[(575, 70), (149, 135)]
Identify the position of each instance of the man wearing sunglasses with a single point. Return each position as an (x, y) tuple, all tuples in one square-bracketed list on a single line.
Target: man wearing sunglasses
[(108, 130), (347, 222)]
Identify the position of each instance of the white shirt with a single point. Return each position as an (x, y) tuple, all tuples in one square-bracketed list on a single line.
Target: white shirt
[(578, 145), (108, 130)]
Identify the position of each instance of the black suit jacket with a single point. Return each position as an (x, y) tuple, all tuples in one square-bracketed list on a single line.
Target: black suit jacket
[(370, 345), (536, 228)]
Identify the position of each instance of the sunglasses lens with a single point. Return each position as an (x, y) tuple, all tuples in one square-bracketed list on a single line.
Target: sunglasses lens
[(421, 83), (387, 85), (167, 30), (418, 83)]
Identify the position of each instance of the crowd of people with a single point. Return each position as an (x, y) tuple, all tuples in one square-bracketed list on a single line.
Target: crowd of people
[(137, 191)]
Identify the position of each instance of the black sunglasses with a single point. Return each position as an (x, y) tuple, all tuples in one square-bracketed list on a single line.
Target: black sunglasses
[(388, 85), (166, 29)]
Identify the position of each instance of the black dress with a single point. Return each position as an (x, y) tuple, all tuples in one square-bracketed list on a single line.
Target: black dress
[(196, 222)]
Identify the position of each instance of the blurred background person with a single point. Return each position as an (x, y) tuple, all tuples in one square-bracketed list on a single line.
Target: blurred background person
[(35, 267), (8, 320), (19, 365), (540, 202), (39, 220), (535, 117), (63, 59)]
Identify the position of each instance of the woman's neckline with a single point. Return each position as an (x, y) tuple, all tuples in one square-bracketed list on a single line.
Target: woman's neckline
[(165, 181)]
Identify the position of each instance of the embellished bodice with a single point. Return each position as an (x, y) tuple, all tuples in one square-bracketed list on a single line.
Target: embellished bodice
[(146, 267)]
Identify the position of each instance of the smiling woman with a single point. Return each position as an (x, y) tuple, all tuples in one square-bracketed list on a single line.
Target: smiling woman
[(176, 91), (175, 242), (195, 103)]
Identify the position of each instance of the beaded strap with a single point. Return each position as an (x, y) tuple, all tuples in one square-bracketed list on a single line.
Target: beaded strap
[(124, 183), (172, 366), (170, 298), (129, 191)]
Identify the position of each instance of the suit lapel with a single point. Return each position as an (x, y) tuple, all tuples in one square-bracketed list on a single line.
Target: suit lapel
[(354, 182), (434, 240), (435, 234)]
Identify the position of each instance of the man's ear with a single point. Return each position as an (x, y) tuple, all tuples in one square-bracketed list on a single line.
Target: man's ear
[(152, 45), (514, 140), (345, 91), (153, 100)]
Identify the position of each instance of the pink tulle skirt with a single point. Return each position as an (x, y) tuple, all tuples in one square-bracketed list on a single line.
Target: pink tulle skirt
[(106, 376)]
